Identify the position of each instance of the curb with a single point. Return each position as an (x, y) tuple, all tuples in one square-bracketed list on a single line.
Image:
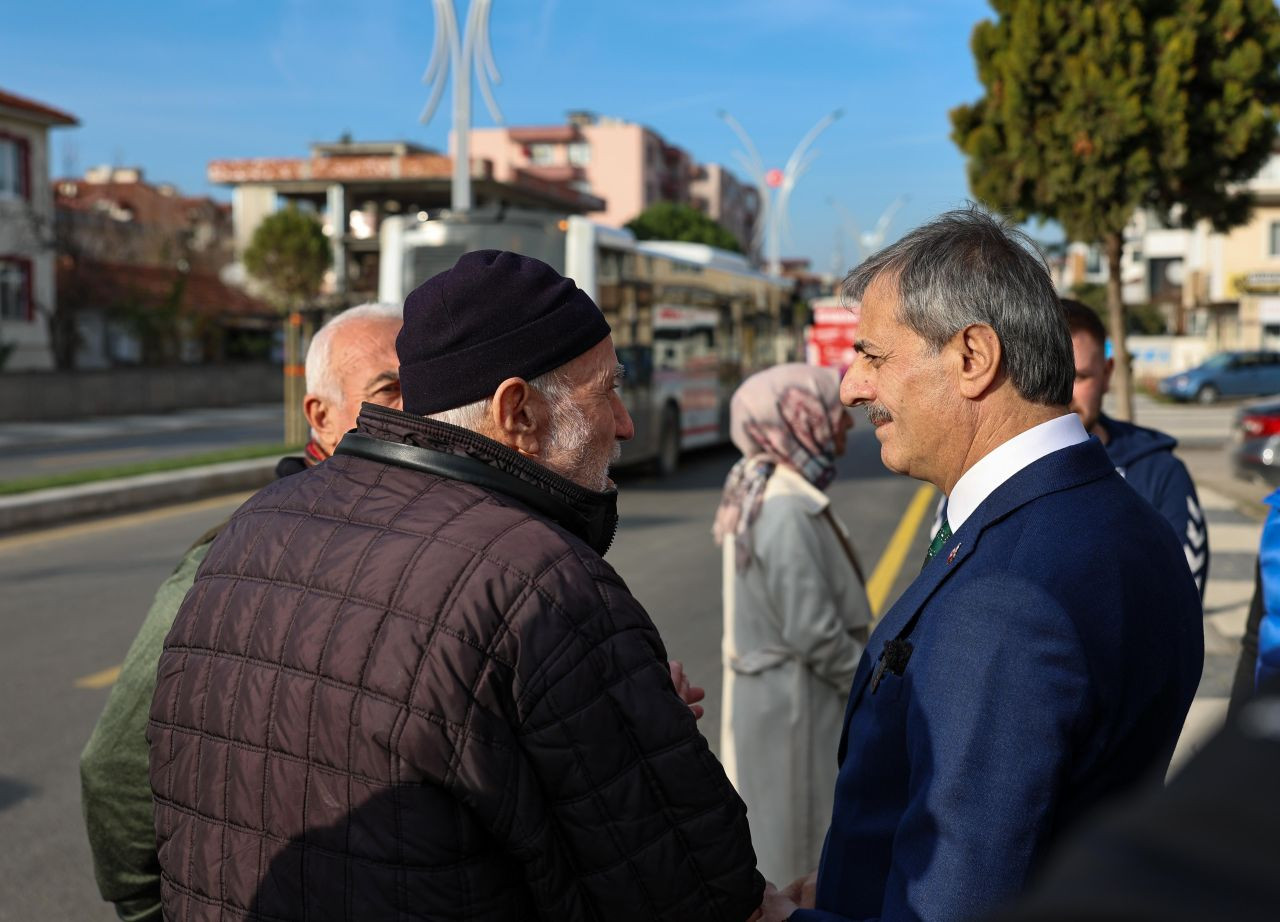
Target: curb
[(61, 504)]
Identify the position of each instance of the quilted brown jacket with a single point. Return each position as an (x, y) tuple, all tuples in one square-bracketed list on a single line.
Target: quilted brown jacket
[(394, 693)]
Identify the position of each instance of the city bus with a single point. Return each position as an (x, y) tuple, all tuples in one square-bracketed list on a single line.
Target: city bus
[(689, 321)]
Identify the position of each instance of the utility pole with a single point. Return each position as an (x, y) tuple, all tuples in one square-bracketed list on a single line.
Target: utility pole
[(775, 185), (459, 54)]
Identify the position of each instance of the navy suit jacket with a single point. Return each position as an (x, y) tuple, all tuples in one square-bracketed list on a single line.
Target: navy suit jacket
[(1056, 644)]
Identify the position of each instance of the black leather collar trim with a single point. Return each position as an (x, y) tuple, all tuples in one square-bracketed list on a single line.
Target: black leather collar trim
[(597, 531), (475, 445)]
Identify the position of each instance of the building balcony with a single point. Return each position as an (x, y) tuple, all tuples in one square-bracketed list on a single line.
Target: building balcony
[(555, 172), (544, 134)]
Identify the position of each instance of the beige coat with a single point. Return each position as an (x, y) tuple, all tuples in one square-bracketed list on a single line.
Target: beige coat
[(795, 625)]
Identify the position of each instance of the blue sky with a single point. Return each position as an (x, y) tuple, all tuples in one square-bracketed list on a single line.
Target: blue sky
[(171, 86)]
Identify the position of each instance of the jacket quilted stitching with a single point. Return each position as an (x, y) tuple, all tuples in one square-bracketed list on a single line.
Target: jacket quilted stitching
[(393, 695)]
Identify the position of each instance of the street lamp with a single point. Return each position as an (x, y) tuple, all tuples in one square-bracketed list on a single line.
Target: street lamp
[(775, 185), (460, 54)]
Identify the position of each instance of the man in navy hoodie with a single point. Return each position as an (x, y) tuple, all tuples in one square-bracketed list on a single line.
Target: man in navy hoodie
[(1144, 457)]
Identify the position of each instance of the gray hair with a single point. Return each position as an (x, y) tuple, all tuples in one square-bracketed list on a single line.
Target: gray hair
[(966, 267), (570, 434), (321, 379)]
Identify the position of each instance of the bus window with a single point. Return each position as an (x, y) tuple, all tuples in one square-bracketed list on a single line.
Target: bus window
[(638, 360)]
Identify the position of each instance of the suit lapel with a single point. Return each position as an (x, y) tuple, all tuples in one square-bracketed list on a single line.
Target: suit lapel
[(935, 572)]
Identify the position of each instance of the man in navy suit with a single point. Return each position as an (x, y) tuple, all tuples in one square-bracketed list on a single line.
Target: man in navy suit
[(1046, 655)]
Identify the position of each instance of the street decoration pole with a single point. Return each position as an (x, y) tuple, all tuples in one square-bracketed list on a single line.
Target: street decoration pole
[(775, 185), (459, 54), (870, 241)]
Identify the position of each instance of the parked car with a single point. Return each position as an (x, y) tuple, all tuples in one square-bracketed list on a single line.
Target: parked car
[(1227, 374), (1255, 452)]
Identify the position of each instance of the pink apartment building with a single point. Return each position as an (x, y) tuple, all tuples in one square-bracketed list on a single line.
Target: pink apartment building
[(724, 198), (628, 165)]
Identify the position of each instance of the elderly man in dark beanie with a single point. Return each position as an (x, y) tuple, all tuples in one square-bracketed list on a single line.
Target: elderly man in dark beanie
[(407, 685)]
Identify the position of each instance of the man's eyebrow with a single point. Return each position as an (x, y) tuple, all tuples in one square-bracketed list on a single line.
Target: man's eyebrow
[(862, 345), (616, 374), (388, 376)]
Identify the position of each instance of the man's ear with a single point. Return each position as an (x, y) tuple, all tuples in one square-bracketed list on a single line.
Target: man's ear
[(979, 352), (516, 414), (1107, 367), (317, 411)]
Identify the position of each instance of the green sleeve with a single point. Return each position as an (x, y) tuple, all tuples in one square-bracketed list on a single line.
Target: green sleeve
[(114, 784)]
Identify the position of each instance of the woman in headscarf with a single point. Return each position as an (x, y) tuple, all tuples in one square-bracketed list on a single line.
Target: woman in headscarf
[(796, 614)]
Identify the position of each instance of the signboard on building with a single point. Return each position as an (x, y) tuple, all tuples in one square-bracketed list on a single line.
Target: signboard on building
[(1259, 281)]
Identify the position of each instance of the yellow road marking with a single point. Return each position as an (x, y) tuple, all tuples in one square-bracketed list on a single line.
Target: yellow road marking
[(101, 679), (890, 563), (108, 677), (63, 532)]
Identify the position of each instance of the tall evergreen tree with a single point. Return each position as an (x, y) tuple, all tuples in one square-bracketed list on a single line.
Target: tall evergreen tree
[(289, 254), (1097, 108)]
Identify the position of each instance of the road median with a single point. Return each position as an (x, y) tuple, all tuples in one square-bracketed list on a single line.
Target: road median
[(38, 508)]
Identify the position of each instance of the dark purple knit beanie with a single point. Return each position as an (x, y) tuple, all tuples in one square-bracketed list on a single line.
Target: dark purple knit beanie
[(494, 315)]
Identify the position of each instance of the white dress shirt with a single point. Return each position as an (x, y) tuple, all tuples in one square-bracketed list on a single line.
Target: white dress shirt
[(985, 477)]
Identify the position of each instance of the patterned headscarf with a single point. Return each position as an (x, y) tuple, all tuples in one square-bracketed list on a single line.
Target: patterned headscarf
[(786, 414)]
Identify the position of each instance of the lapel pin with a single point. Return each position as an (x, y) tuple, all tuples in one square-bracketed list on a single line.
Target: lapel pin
[(952, 556)]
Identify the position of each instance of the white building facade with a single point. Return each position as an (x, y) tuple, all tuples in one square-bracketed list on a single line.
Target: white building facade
[(28, 268)]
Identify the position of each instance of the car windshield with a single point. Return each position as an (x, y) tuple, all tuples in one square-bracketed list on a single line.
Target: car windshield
[(1218, 362)]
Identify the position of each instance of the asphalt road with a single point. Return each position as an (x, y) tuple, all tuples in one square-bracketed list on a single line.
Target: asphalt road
[(75, 596), (73, 599)]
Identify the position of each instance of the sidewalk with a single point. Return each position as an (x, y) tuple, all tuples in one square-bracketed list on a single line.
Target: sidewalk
[(43, 508)]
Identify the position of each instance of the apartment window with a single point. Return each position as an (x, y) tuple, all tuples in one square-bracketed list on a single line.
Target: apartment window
[(1273, 238), (541, 154), (15, 289), (579, 153), (13, 168)]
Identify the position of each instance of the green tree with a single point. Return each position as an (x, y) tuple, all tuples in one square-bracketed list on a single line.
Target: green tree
[(1143, 319), (1097, 108), (289, 254), (672, 221)]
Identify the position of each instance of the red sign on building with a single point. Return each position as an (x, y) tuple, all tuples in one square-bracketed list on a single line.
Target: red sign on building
[(829, 339)]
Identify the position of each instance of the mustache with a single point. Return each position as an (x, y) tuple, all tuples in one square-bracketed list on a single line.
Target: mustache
[(876, 414)]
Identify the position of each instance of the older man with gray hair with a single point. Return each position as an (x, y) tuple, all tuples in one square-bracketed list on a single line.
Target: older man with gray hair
[(406, 683), (1044, 659), (350, 360)]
